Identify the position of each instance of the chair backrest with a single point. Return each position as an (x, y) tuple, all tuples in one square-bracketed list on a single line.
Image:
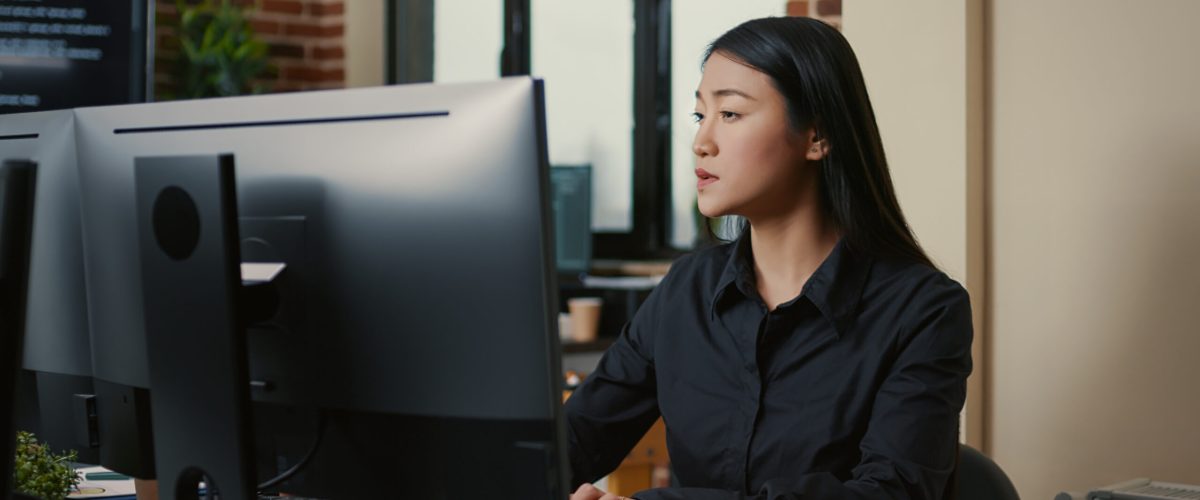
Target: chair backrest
[(977, 477)]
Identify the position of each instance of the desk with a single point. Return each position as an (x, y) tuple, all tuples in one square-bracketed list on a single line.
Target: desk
[(646, 466)]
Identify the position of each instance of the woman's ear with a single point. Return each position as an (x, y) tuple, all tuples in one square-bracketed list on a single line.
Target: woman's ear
[(818, 146)]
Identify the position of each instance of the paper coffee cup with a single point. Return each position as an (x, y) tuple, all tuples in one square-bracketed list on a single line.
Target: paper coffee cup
[(585, 317)]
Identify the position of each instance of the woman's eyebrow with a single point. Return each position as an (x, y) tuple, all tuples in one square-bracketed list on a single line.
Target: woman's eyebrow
[(727, 92)]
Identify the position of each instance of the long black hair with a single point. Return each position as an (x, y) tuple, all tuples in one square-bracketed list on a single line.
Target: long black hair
[(816, 71)]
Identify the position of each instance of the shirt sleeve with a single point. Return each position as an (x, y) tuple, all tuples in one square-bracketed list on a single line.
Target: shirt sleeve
[(910, 447), (617, 403)]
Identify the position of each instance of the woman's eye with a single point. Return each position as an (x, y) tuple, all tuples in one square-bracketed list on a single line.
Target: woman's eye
[(697, 117), (729, 115)]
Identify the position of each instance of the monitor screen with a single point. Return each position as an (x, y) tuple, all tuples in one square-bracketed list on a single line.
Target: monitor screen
[(572, 202), (58, 54)]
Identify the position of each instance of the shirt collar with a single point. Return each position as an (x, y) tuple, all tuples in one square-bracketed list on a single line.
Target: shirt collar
[(834, 288)]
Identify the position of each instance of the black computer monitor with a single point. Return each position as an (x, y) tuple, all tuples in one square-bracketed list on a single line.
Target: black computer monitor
[(57, 356), (416, 330), (572, 204), (59, 54), (17, 178)]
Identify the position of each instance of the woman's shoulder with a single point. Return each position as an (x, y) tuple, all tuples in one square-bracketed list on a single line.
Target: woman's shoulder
[(912, 282), (921, 301)]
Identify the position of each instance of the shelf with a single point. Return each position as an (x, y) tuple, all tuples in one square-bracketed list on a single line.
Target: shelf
[(620, 282), (599, 345), (601, 267)]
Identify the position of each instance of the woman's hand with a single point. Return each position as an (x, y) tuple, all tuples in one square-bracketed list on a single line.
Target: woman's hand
[(588, 492)]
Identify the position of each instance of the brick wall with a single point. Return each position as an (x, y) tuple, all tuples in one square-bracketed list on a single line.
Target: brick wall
[(305, 39), (829, 11)]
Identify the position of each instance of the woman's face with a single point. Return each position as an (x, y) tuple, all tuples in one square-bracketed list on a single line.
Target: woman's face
[(749, 160)]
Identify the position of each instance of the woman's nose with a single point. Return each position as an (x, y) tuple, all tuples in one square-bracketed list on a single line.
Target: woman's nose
[(703, 144)]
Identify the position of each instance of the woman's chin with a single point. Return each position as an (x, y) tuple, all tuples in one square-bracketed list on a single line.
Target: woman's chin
[(708, 210), (714, 204)]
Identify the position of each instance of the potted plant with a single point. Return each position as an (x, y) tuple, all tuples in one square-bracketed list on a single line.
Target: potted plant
[(39, 472), (220, 55)]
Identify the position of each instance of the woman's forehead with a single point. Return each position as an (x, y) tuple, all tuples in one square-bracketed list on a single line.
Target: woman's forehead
[(724, 77)]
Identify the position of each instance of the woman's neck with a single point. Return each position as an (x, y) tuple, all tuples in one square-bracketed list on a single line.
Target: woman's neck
[(788, 249)]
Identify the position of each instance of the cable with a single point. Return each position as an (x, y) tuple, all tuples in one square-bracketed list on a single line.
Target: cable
[(322, 421)]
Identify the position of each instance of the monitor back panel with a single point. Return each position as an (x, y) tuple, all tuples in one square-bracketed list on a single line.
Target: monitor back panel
[(426, 274)]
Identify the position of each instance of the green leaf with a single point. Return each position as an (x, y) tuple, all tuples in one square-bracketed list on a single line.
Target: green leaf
[(187, 17), (243, 52), (189, 49), (210, 35)]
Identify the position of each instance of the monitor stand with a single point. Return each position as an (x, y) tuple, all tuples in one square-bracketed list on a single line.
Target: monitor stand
[(195, 333)]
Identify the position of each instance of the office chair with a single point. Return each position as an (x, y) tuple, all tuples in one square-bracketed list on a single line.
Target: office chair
[(977, 477)]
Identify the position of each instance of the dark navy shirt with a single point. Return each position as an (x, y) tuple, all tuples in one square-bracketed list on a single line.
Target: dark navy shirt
[(851, 390)]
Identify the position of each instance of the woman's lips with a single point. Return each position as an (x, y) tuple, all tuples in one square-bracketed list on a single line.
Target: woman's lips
[(703, 178)]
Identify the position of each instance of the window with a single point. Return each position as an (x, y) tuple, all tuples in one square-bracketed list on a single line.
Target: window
[(584, 51), (468, 40)]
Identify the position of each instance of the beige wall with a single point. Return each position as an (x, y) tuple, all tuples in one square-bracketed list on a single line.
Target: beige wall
[(1093, 215), (1096, 187), (365, 24), (927, 95), (917, 82)]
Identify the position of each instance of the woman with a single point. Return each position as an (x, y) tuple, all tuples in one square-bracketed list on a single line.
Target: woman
[(821, 355)]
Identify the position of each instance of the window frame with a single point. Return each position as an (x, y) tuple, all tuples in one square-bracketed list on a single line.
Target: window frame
[(409, 51), (410, 59)]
